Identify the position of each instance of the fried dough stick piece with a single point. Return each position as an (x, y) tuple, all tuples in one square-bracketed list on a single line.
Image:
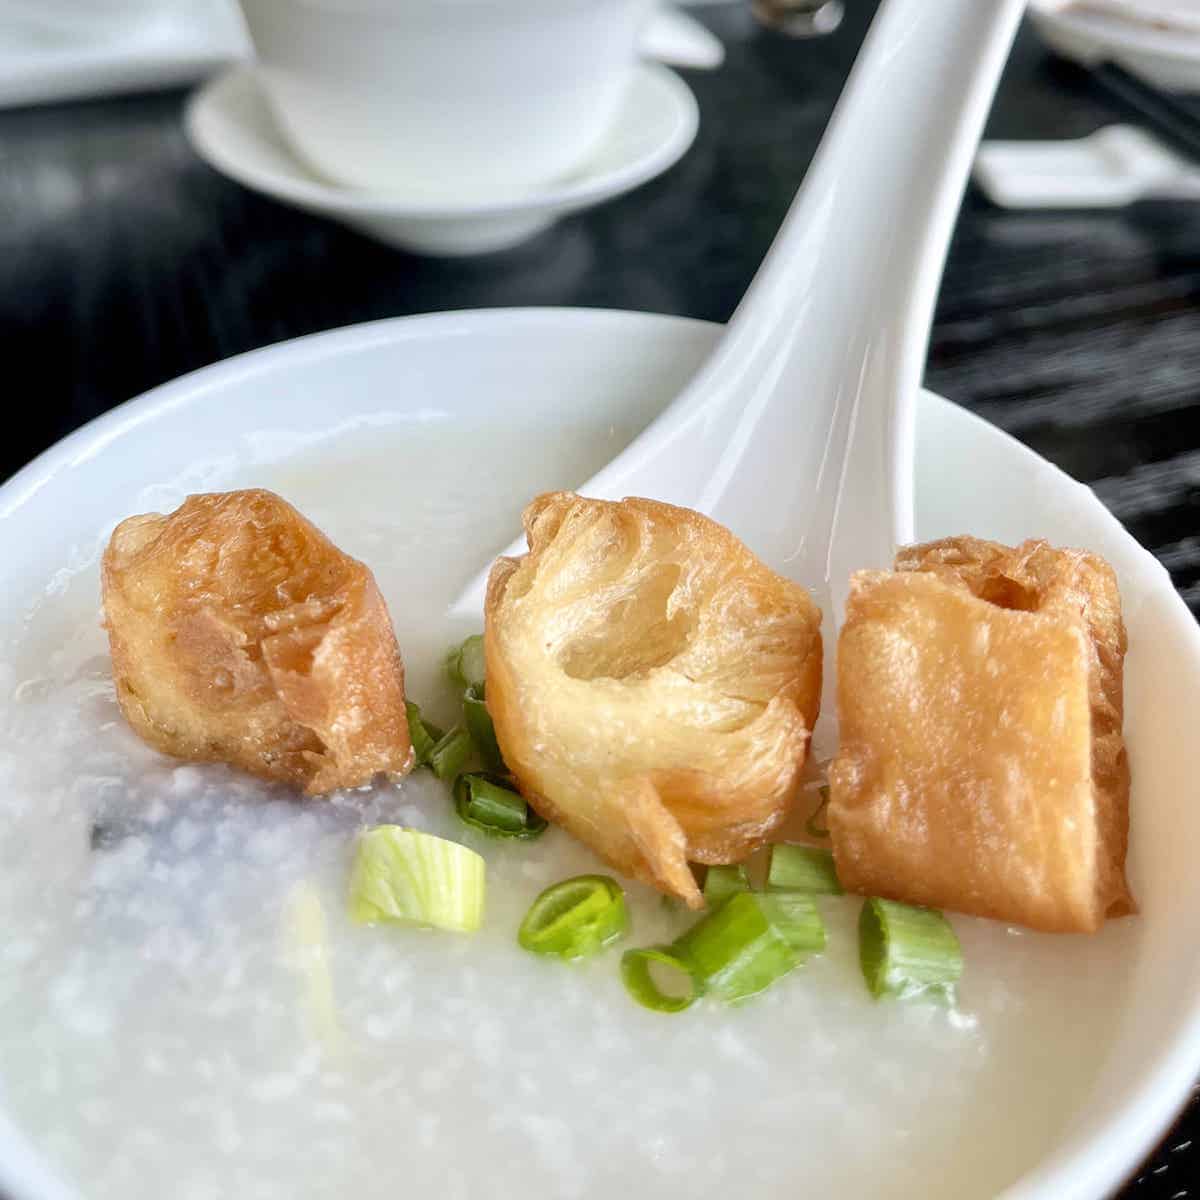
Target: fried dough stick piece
[(240, 634), (652, 684), (982, 766)]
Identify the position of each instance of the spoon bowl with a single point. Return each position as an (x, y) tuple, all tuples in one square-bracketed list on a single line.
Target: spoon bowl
[(825, 352)]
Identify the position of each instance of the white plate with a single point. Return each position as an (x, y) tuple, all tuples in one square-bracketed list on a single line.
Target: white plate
[(54, 52), (230, 127), (1169, 58), (1069, 1055)]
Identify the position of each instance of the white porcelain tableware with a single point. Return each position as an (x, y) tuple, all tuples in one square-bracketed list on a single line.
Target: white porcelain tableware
[(1166, 57), (66, 53), (52, 52), (440, 101), (1170, 15), (229, 126), (1110, 168), (151, 1041), (674, 37), (825, 352)]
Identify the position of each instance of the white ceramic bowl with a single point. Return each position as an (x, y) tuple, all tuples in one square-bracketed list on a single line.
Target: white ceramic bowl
[(621, 368)]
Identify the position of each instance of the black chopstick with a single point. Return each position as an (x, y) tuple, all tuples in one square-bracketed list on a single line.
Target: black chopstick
[(1174, 121)]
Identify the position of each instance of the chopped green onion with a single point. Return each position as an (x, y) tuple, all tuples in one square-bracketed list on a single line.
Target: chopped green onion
[(802, 869), (493, 805), (422, 734), (465, 665), (642, 986), (479, 722), (907, 951), (751, 941), (414, 878), (486, 804), (575, 918), (797, 921), (449, 756), (722, 882), (308, 953), (813, 826)]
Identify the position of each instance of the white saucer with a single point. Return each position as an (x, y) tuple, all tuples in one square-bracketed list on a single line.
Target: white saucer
[(231, 128), (1167, 58)]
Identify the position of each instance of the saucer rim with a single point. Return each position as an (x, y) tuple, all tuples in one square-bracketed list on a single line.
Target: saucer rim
[(308, 190)]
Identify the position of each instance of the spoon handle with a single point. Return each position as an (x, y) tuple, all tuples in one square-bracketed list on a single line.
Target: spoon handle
[(798, 432)]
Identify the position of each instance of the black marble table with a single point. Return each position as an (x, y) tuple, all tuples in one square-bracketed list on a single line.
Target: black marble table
[(125, 261)]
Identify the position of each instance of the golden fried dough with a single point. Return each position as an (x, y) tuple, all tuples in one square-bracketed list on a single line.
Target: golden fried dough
[(241, 634), (982, 766), (652, 683)]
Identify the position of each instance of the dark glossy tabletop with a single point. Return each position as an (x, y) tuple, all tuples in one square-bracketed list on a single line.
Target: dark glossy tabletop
[(125, 261)]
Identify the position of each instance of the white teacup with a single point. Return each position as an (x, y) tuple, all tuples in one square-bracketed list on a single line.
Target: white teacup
[(445, 98)]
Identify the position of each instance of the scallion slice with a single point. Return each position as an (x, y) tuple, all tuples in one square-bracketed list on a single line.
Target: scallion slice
[(751, 941), (414, 878), (422, 734), (450, 754), (802, 869), (797, 920), (575, 918), (722, 882), (645, 989), (486, 803), (907, 951), (479, 723), (465, 663), (490, 804), (308, 953)]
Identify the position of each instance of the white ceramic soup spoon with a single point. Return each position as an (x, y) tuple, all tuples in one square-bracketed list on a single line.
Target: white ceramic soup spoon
[(798, 432)]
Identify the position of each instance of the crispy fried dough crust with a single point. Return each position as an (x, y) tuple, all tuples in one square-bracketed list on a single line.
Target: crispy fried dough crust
[(982, 766), (652, 683), (240, 634)]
